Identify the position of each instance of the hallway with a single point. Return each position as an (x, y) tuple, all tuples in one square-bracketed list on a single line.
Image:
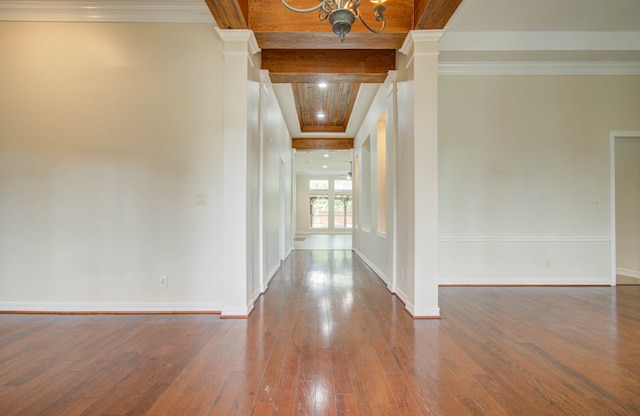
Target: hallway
[(329, 339)]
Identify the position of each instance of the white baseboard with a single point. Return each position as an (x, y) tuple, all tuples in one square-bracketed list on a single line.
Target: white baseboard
[(72, 307), (270, 276), (237, 311), (373, 267), (523, 281), (421, 313), (425, 313), (628, 272), (403, 297)]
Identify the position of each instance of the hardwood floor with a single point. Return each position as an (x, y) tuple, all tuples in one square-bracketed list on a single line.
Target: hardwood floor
[(323, 242), (329, 339)]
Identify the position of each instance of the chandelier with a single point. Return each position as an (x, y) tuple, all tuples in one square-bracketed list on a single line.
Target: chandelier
[(342, 14)]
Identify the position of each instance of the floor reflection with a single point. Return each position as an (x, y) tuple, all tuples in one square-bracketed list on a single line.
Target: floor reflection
[(322, 242)]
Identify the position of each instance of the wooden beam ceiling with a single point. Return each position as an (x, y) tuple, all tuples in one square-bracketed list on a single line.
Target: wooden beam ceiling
[(321, 144), (434, 14), (299, 49), (330, 65), (335, 101), (272, 16), (230, 14), (329, 40)]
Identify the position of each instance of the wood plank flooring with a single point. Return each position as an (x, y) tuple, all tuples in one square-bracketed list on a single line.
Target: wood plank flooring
[(329, 339)]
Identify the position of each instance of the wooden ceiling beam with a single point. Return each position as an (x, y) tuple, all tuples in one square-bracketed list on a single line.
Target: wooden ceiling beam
[(230, 14), (299, 143), (273, 16), (329, 40), (331, 65), (292, 78), (433, 14)]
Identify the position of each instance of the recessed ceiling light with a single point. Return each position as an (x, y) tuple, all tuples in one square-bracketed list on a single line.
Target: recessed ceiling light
[(322, 85), (320, 115), (326, 155), (324, 166)]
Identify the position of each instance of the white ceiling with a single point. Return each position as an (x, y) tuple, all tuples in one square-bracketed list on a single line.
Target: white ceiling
[(337, 162)]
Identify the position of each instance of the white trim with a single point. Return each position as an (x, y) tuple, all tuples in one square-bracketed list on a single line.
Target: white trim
[(73, 307), (540, 41), (425, 312), (431, 35), (524, 239), (539, 68), (236, 312), (271, 274), (167, 11), (613, 135), (374, 268), (390, 81), (261, 244), (403, 297), (256, 294), (628, 272), (520, 281), (244, 37)]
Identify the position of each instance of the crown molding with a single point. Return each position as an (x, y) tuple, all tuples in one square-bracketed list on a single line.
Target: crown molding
[(418, 37), (165, 11), (539, 68), (244, 39), (540, 41)]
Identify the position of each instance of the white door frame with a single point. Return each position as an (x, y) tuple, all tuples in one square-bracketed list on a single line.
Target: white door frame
[(613, 136)]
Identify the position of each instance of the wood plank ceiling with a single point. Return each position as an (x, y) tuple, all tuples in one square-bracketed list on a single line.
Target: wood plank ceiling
[(300, 50)]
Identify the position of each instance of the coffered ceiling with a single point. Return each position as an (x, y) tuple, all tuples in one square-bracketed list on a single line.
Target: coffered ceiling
[(300, 50)]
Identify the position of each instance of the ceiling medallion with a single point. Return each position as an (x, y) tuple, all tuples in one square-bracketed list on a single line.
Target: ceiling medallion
[(342, 14)]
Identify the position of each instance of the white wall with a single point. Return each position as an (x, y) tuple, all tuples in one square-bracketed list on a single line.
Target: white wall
[(524, 176), (107, 133), (627, 183), (277, 156), (376, 249)]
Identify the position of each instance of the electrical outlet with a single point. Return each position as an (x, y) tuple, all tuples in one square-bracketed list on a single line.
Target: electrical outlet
[(164, 281)]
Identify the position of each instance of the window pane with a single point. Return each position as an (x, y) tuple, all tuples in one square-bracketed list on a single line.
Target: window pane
[(319, 208), (338, 213), (342, 206), (340, 185), (319, 184)]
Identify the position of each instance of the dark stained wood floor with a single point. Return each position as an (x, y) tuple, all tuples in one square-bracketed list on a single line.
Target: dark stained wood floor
[(328, 339)]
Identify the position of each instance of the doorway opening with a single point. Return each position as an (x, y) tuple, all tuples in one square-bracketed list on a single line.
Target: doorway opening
[(625, 206), (324, 200)]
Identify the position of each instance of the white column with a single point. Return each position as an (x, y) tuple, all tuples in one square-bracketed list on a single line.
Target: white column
[(239, 50), (421, 49)]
